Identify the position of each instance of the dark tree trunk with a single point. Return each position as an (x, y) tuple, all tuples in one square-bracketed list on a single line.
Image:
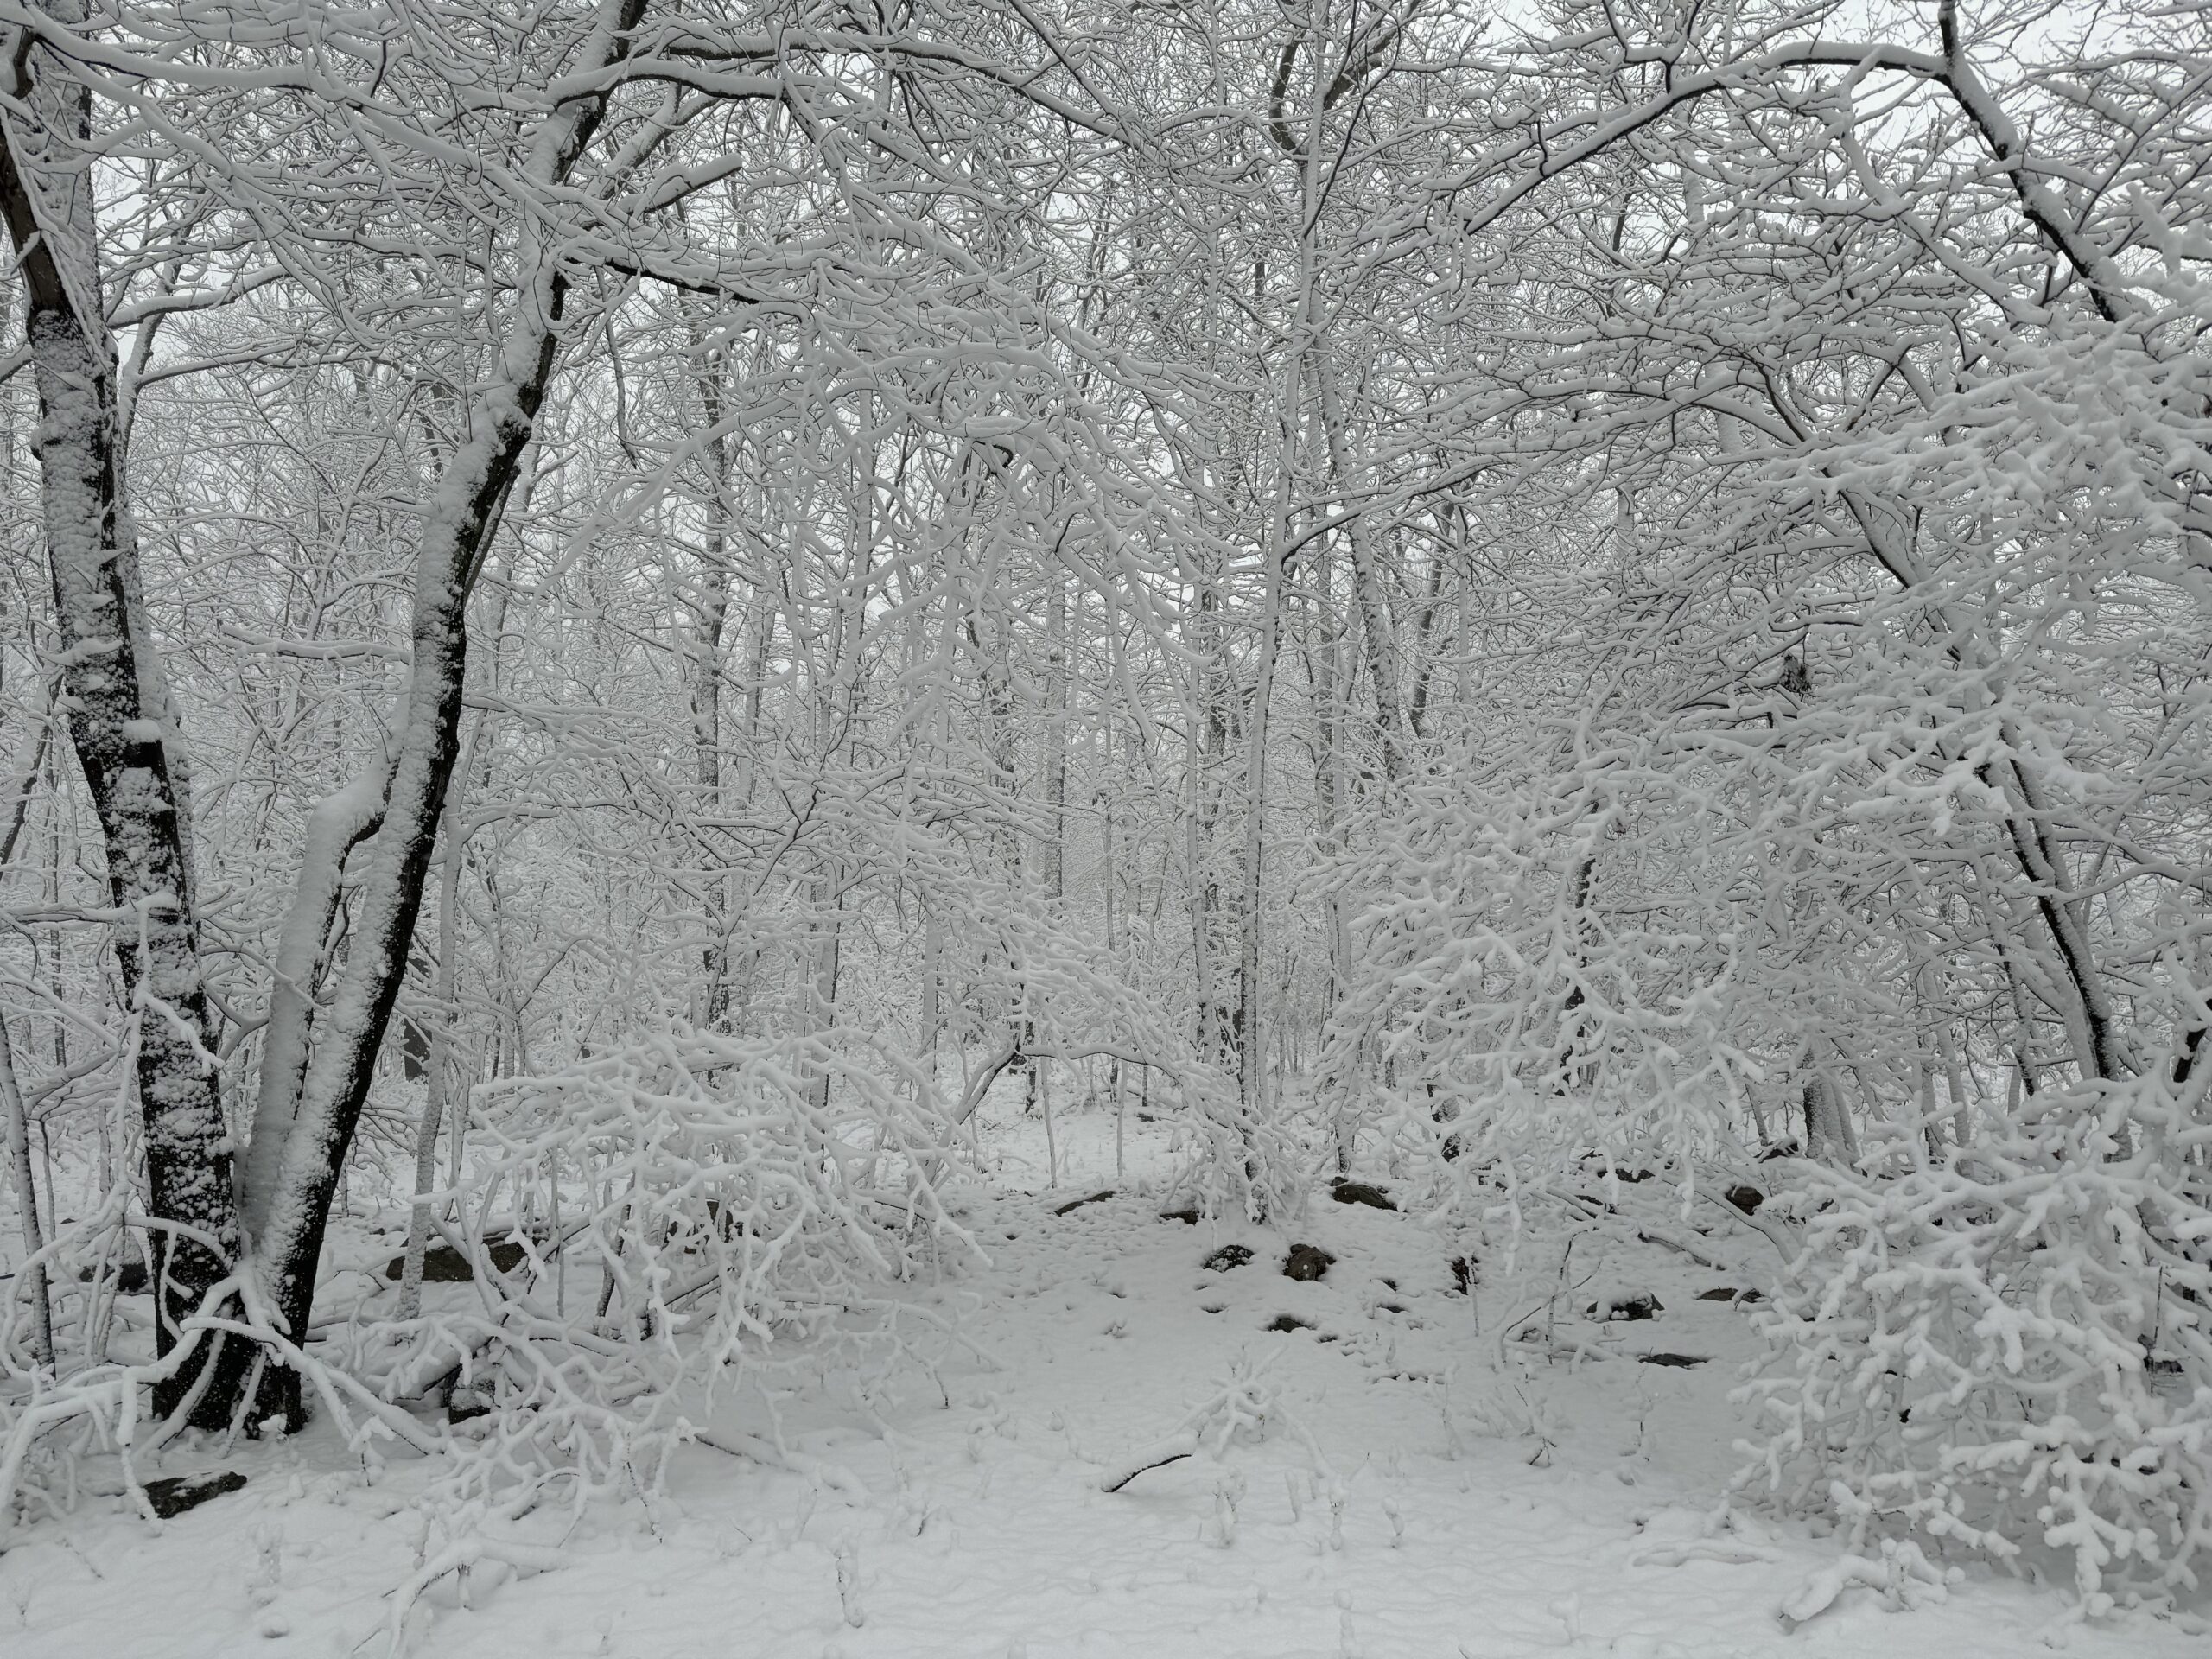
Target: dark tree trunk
[(120, 726), (473, 496), (305, 1167)]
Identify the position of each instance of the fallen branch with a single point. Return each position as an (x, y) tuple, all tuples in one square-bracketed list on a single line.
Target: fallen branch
[(1173, 1449)]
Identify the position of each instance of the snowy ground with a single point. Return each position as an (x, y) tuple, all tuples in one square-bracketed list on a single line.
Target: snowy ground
[(1541, 1508)]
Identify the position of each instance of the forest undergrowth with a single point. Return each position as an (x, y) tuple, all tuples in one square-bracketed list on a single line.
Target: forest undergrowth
[(642, 637), (1447, 1446)]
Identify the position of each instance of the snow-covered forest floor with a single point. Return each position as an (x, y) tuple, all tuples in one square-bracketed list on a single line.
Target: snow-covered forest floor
[(1541, 1504), (611, 610)]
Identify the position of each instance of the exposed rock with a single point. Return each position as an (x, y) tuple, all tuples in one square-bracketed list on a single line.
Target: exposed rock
[(1307, 1262), (1189, 1217), (444, 1265), (1360, 1192), (172, 1497), (1228, 1257), (1730, 1294), (1640, 1307), (1745, 1199), (1289, 1322), (130, 1278)]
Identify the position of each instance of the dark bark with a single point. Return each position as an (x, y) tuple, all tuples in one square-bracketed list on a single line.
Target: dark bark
[(474, 492), (1827, 1136), (121, 735), (338, 1077)]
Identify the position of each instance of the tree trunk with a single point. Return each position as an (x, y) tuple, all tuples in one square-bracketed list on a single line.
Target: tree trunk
[(472, 495), (296, 1202), (1328, 781), (1931, 1124), (338, 823), (32, 1286), (932, 972), (1250, 1055), (1056, 736), (437, 1084), (712, 612), (18, 1124), (1954, 1080), (118, 721), (1367, 588), (1825, 1138)]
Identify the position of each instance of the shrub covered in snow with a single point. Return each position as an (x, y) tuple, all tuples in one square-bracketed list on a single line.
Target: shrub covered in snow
[(694, 1209), (2009, 1348)]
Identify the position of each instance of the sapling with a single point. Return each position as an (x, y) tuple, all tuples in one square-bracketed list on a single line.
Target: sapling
[(848, 1582)]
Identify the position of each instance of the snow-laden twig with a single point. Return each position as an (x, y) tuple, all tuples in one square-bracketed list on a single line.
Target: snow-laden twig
[(1243, 1407), (2009, 1348)]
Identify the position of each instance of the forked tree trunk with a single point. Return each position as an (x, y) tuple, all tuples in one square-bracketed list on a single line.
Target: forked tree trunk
[(297, 1174), (304, 1154)]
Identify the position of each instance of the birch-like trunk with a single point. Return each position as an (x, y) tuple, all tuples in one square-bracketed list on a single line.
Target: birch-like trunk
[(1056, 735), (338, 824), (1328, 774), (711, 610), (17, 1121), (1366, 582), (437, 1084), (1955, 1082), (1250, 1053), (1215, 1035), (1824, 1128), (32, 1285), (1250, 1050), (118, 719)]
